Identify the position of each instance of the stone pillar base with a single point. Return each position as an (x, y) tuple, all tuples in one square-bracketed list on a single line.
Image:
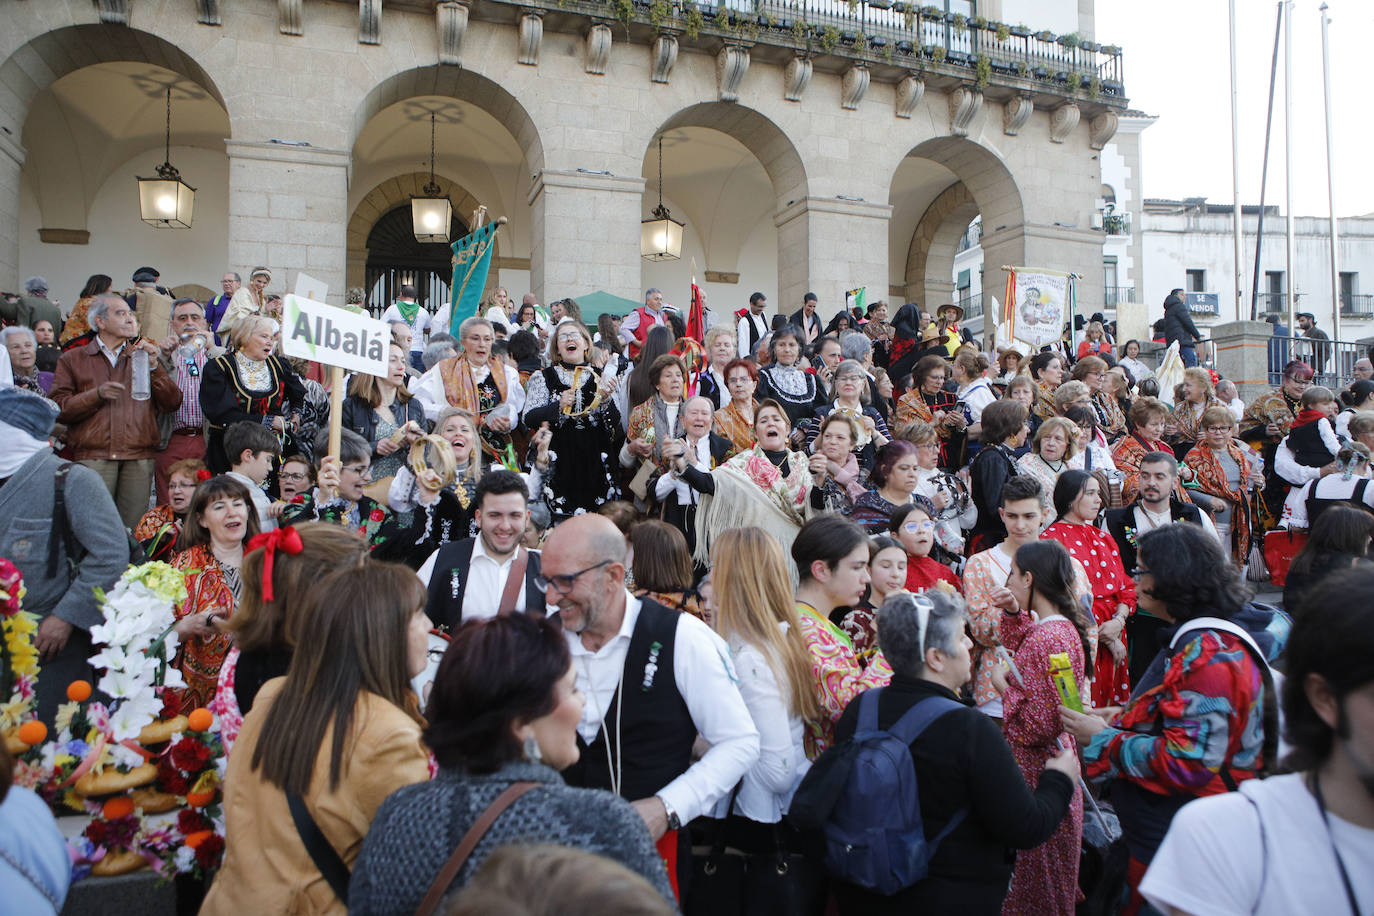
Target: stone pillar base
[(11, 163), (1243, 355), (288, 212), (828, 246)]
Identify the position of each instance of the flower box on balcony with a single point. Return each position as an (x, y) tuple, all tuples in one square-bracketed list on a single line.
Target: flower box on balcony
[(1020, 31), (880, 4)]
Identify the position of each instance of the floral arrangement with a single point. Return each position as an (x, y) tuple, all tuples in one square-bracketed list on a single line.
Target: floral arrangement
[(17, 627), (133, 764)]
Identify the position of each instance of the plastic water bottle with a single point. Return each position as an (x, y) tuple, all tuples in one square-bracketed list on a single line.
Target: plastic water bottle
[(142, 383)]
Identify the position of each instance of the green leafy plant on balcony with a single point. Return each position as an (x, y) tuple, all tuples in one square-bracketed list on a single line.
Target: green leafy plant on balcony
[(1045, 35), (1022, 69), (622, 11), (977, 22), (830, 39), (658, 13), (982, 69), (1003, 31), (960, 23), (909, 16), (1094, 87), (695, 20), (1070, 40), (938, 54), (933, 13), (800, 30), (887, 53), (1111, 50), (1074, 81), (853, 6)]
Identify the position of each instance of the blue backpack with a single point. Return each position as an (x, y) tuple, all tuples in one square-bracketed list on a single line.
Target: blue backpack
[(862, 795)]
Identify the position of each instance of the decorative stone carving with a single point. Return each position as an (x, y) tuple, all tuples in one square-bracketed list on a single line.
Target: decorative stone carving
[(289, 17), (1015, 113), (853, 85), (1062, 122), (795, 78), (731, 64), (1102, 129), (369, 22), (664, 56), (531, 33), (910, 91), (598, 48), (452, 21), (207, 12), (964, 104), (115, 12)]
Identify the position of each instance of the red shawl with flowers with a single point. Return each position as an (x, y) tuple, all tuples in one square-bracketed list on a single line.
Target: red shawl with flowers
[(201, 658), (1211, 479)]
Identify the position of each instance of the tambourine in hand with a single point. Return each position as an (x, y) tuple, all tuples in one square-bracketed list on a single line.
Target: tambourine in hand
[(432, 449)]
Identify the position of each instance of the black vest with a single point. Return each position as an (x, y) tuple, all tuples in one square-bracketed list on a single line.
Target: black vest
[(448, 583), (656, 730), (1317, 504), (1308, 447), (1118, 520)]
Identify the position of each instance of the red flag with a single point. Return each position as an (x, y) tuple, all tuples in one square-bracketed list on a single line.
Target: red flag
[(696, 317)]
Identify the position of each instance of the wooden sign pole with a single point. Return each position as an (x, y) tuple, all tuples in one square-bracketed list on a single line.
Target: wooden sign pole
[(336, 393)]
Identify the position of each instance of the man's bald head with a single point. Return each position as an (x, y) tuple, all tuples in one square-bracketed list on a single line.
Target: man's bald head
[(586, 539)]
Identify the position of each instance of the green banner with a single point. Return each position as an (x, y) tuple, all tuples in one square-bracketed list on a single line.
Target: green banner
[(471, 261)]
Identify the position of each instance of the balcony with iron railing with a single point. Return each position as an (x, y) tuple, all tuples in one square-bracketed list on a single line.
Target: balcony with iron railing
[(1357, 305), (893, 39), (1112, 296), (972, 306)]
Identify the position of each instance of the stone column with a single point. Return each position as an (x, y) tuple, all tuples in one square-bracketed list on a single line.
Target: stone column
[(828, 246), (1052, 247), (11, 164), (288, 211), (585, 234), (1243, 355)]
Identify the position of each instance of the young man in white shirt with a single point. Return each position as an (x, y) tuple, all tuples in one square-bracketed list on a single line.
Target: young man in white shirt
[(653, 679), (408, 310), (1300, 842), (469, 579), (751, 327)]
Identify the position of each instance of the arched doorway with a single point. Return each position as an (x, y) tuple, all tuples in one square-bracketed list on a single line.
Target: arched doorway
[(395, 257)]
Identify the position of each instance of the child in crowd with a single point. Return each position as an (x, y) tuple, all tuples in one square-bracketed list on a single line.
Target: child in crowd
[(913, 525), (251, 448), (886, 575)]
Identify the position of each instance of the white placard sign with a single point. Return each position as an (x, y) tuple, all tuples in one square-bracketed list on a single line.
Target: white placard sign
[(334, 336), (307, 287)]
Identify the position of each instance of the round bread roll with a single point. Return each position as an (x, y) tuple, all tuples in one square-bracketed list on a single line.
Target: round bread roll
[(154, 802), (13, 744), (118, 862), (161, 730), (110, 781)]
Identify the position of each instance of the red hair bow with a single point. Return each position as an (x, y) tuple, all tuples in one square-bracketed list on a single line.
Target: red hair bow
[(288, 540), (203, 475)]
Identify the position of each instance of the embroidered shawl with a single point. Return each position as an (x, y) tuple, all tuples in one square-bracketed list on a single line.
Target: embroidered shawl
[(732, 424), (1211, 479), (461, 388)]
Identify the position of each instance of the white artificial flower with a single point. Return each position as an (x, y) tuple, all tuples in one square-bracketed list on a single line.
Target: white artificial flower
[(133, 714), (123, 757)]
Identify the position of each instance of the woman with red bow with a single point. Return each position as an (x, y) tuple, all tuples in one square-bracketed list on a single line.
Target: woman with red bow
[(281, 568), (219, 521)]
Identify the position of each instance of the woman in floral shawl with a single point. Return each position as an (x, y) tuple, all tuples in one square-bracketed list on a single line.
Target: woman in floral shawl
[(1185, 428), (659, 419), (1148, 416), (219, 521), (928, 402), (1047, 372), (1225, 476), (767, 486)]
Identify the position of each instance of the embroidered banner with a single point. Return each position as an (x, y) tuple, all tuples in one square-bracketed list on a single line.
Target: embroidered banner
[(1038, 304), (471, 261)]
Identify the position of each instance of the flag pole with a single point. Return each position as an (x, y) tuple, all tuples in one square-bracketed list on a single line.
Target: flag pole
[(1331, 183), (1289, 242), (1238, 275)]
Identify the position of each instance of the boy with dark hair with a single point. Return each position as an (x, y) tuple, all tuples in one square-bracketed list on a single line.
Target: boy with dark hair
[(251, 448)]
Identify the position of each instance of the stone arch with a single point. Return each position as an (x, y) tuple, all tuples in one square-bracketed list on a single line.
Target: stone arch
[(757, 133), (459, 83), (52, 55), (384, 198), (988, 180), (930, 261)]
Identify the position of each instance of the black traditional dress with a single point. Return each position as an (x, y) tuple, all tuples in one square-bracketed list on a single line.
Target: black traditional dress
[(585, 437), (797, 391), (236, 389)]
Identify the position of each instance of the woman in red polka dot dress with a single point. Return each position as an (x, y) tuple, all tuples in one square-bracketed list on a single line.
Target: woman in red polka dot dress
[(1078, 500)]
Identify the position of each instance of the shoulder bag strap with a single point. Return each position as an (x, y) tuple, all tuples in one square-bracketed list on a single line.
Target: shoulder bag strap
[(455, 862), (322, 853), (62, 536), (515, 582)]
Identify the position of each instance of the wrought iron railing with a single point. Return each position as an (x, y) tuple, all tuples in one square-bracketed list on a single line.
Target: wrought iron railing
[(1332, 360), (972, 306), (894, 31), (1112, 296), (1117, 223), (1358, 305)]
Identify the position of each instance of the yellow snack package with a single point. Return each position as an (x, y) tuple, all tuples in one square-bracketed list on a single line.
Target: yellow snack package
[(1061, 673)]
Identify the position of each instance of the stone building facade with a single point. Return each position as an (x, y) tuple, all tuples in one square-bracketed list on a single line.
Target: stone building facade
[(309, 121)]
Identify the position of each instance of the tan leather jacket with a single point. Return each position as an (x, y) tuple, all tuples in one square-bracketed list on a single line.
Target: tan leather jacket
[(117, 430)]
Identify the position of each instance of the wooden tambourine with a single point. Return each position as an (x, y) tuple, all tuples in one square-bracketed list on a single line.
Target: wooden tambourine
[(438, 449)]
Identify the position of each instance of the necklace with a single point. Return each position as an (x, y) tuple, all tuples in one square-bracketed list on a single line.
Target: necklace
[(1046, 462), (612, 764), (1331, 837)]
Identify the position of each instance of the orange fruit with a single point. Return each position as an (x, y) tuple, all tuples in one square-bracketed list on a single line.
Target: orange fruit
[(33, 732), (79, 691), (117, 807), (199, 799), (195, 839), (200, 720)]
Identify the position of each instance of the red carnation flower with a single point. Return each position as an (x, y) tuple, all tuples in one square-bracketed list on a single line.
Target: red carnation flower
[(170, 780), (209, 851), (189, 755), (95, 832), (191, 820), (298, 499), (376, 516)]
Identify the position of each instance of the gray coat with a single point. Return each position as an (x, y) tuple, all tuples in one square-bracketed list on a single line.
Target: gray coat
[(26, 505), (417, 828)]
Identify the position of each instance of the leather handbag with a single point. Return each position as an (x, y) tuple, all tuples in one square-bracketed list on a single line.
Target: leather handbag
[(731, 882)]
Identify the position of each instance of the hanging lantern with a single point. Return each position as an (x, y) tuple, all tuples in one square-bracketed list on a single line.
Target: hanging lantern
[(166, 201), (431, 215), (660, 236)]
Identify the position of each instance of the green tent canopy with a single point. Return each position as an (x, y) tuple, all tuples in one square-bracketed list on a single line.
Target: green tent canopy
[(599, 303)]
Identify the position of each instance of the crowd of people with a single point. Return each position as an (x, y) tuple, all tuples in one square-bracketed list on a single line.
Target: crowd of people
[(657, 599)]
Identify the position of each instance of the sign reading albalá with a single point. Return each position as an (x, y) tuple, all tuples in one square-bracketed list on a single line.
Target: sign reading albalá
[(334, 336)]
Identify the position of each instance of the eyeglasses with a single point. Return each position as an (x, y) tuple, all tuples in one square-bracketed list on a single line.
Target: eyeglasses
[(293, 476), (913, 527), (564, 583), (359, 469), (1217, 429)]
